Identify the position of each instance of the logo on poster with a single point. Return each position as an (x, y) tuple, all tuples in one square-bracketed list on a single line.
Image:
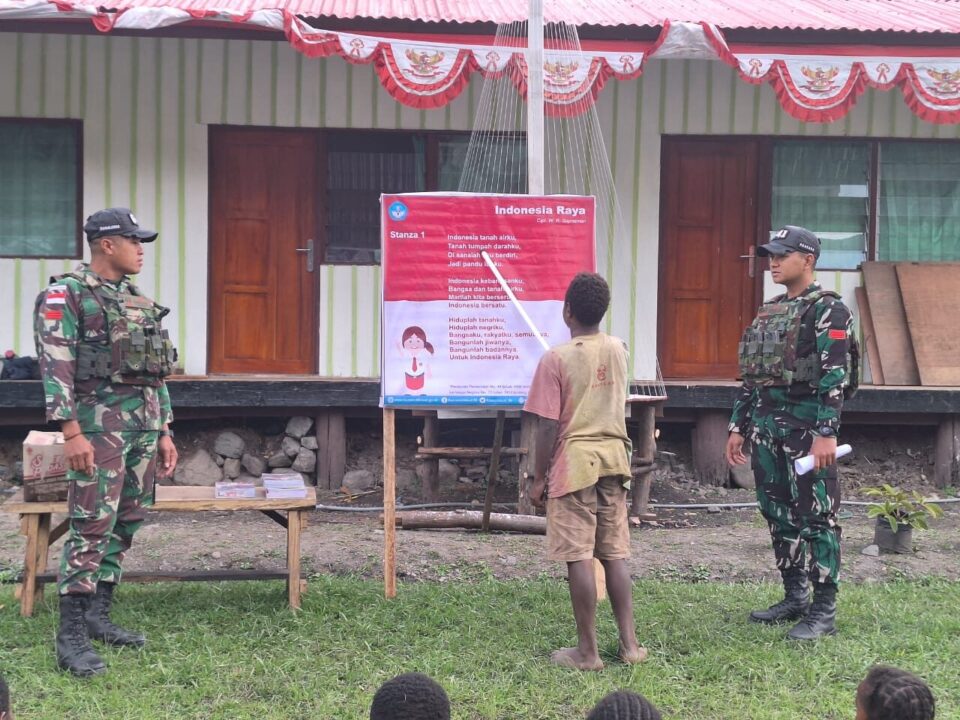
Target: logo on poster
[(398, 211)]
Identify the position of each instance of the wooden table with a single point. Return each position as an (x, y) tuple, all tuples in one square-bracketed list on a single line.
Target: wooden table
[(36, 523)]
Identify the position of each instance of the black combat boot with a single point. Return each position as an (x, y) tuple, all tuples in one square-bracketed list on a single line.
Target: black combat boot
[(102, 628), (74, 651), (820, 620), (795, 603)]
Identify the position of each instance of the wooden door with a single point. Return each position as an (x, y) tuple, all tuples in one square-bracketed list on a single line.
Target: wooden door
[(262, 314), (708, 292)]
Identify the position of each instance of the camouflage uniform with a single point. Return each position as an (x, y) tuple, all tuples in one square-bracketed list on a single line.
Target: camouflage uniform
[(781, 422), (87, 336)]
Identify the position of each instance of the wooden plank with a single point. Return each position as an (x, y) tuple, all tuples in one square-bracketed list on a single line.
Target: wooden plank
[(646, 456), (890, 323), (337, 448), (191, 498), (389, 504), (947, 452), (430, 482), (294, 529), (29, 586), (709, 443), (471, 519), (869, 337), (932, 304), (43, 547), (467, 452), (59, 531), (528, 439), (321, 429), (494, 473), (695, 395), (178, 498)]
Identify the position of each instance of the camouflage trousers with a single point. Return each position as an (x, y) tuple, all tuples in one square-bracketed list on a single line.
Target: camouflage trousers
[(801, 511), (107, 508)]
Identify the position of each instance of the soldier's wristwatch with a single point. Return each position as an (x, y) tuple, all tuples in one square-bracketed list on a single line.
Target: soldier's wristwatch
[(826, 431), (167, 433)]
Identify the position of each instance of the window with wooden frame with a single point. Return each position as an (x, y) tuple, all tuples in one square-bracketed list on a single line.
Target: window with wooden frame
[(362, 164), (888, 200), (41, 179)]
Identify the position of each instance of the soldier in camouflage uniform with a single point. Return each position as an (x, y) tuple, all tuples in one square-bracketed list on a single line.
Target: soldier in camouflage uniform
[(797, 361), (104, 356)]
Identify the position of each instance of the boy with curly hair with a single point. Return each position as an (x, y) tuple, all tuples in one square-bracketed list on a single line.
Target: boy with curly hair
[(582, 467)]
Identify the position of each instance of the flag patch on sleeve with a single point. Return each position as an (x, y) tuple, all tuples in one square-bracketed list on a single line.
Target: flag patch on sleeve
[(56, 295), (837, 334), (53, 314)]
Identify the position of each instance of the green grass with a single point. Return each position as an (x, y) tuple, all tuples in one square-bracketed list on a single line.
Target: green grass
[(232, 651)]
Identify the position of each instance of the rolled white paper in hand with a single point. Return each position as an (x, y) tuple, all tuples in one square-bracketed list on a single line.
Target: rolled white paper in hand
[(805, 464)]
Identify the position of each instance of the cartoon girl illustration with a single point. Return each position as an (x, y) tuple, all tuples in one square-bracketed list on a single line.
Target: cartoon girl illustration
[(416, 351)]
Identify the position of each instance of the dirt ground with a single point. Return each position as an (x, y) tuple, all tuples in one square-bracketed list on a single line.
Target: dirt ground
[(693, 545)]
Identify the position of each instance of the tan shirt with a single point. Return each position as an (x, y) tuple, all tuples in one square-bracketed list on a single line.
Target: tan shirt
[(582, 384)]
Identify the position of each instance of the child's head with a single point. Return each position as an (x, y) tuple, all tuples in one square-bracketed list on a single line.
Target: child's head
[(412, 696), (414, 338), (5, 712), (889, 693), (624, 705), (587, 299)]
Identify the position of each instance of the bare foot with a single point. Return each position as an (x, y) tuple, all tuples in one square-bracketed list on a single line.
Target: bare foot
[(632, 656), (573, 658), (634, 521)]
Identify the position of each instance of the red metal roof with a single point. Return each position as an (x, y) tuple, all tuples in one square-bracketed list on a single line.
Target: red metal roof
[(864, 15)]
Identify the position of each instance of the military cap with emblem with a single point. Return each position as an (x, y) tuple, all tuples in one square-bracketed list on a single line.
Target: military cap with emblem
[(791, 238), (116, 221)]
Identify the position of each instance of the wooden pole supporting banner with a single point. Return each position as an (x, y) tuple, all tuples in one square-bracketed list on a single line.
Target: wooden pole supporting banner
[(494, 474), (389, 504)]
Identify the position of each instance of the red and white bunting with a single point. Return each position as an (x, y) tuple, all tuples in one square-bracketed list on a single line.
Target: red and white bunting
[(823, 84), (812, 83)]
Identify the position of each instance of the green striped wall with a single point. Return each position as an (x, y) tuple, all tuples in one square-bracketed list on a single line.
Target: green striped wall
[(152, 155)]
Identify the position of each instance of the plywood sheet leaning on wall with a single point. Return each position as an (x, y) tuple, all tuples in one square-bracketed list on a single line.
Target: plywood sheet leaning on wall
[(932, 306), (869, 337), (890, 324)]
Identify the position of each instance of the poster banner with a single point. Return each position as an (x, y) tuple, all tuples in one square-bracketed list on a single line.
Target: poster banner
[(451, 336)]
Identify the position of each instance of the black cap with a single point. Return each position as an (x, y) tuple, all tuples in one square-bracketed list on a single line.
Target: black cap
[(791, 238), (116, 221)]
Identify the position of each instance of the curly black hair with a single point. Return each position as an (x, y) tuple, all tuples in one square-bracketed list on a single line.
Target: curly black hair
[(588, 298), (889, 693), (412, 696), (624, 705)]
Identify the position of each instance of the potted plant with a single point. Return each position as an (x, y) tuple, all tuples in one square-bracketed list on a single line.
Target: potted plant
[(898, 512)]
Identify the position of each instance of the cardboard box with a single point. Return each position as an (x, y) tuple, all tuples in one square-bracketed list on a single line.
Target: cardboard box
[(44, 467)]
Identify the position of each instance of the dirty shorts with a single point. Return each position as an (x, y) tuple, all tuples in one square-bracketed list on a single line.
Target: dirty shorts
[(588, 523)]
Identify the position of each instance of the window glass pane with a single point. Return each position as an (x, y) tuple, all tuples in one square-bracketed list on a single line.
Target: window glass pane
[(919, 201), (497, 163), (38, 189), (360, 166), (824, 186)]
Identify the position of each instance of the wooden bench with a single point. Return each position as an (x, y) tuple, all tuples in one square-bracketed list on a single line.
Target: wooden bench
[(36, 523)]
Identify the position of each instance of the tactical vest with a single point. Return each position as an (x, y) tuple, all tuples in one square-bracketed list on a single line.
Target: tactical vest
[(768, 351), (120, 336)]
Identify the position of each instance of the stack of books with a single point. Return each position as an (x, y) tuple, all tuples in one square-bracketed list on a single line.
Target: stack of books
[(244, 490), (283, 487)]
